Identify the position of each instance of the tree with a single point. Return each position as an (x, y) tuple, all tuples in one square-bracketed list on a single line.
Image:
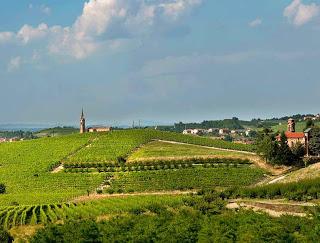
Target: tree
[(309, 124), (283, 153), (266, 147), (314, 144)]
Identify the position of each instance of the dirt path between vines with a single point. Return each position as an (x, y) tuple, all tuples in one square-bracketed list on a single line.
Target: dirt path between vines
[(102, 196), (275, 208)]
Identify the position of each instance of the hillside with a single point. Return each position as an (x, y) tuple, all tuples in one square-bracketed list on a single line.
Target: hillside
[(56, 131), (120, 172)]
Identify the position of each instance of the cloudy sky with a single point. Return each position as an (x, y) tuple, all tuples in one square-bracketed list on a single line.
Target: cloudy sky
[(157, 60)]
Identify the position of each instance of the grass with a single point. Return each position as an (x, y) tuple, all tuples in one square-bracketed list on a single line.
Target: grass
[(184, 179), (159, 149)]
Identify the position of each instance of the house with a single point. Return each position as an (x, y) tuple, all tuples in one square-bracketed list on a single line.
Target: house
[(2, 140), (99, 129), (212, 130), (196, 131), (224, 131), (187, 131)]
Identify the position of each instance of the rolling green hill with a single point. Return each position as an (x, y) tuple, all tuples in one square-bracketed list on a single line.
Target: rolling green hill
[(56, 131)]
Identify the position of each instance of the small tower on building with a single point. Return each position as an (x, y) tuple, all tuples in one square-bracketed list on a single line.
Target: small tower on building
[(291, 125), (82, 123)]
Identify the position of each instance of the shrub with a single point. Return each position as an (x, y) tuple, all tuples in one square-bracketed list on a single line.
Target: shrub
[(2, 188)]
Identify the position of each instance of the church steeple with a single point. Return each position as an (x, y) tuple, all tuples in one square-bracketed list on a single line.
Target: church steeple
[(82, 123)]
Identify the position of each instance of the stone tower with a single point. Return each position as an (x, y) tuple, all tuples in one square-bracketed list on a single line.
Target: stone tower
[(291, 125), (82, 123)]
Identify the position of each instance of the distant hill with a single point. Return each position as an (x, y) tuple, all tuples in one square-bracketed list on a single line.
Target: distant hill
[(56, 131)]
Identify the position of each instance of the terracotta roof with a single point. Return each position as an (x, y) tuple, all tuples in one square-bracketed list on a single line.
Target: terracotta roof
[(294, 134)]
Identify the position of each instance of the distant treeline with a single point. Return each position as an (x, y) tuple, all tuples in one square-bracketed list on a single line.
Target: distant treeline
[(285, 118), (16, 134), (233, 123)]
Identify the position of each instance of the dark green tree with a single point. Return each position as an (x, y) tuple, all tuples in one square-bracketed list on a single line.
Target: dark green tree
[(314, 144)]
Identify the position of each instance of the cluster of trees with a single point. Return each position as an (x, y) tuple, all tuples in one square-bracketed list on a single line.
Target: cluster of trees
[(275, 150), (200, 219), (18, 134)]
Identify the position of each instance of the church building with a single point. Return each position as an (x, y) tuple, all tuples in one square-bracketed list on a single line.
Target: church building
[(83, 128)]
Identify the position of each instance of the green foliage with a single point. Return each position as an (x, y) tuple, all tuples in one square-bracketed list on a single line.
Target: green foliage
[(314, 144), (5, 237), (51, 213), (185, 179), (24, 171), (300, 191), (198, 219), (277, 151), (2, 188)]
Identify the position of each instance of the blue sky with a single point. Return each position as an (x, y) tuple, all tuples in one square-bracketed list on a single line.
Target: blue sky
[(157, 60)]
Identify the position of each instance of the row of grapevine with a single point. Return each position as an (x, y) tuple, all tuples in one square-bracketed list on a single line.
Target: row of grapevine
[(159, 162), (185, 179), (51, 213), (167, 166)]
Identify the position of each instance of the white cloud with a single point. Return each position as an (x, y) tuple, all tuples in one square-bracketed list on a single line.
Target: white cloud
[(45, 9), (177, 7), (6, 37), (255, 23), (28, 33), (299, 14), (14, 64), (88, 32)]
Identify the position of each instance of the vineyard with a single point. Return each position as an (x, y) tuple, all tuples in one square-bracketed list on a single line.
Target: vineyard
[(159, 150), (25, 170), (116, 146), (183, 179), (50, 213)]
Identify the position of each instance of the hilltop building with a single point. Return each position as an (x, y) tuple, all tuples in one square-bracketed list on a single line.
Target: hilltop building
[(99, 129), (83, 128), (82, 123), (294, 137)]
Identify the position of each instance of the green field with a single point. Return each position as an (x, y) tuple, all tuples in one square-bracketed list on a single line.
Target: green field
[(184, 179), (25, 170), (158, 149)]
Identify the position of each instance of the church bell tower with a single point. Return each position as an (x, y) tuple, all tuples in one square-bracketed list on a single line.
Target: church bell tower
[(291, 125), (82, 123)]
